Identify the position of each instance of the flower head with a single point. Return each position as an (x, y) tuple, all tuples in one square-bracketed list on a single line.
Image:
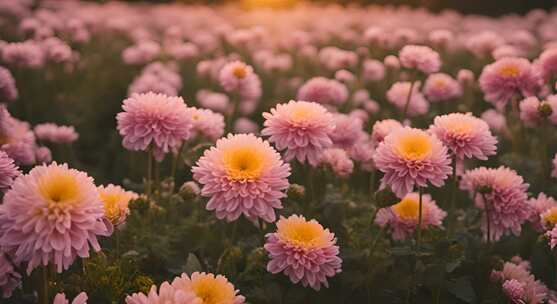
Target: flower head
[(51, 215), (8, 89), (207, 123), (301, 128), (207, 288), (421, 58), (506, 199), (304, 251), (10, 279), (465, 135), (116, 200), (50, 132), (338, 160), (410, 157), (324, 91), (547, 63), (382, 128), (242, 174), (238, 77), (61, 299), (533, 111), (402, 218), (347, 131), (8, 171), (540, 206), (441, 87), (508, 78), (398, 95), (156, 120)]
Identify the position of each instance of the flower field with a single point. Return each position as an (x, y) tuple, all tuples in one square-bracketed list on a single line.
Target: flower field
[(197, 154)]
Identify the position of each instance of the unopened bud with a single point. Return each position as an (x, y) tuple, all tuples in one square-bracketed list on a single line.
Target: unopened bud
[(385, 198), (545, 110), (296, 191), (190, 190)]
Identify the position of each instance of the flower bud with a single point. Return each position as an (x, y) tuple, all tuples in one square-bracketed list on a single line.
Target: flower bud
[(190, 190)]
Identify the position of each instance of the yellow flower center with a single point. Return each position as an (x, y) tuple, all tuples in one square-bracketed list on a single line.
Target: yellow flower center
[(302, 233), (439, 83), (244, 163), (415, 147), (550, 217), (509, 70), (459, 127), (408, 208), (59, 188), (113, 204), (212, 291), (240, 71)]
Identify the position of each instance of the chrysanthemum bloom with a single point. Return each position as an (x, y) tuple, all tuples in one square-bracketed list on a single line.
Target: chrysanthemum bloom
[(207, 123), (547, 63), (382, 128), (301, 128), (507, 199), (411, 157), (533, 111), (304, 251), (155, 120), (421, 58), (403, 217), (466, 136), (8, 90), (465, 77), (242, 174), (362, 152), (338, 160), (116, 201), (398, 95), (508, 78), (441, 38), (10, 279), (200, 288), (16, 139), (392, 62), (506, 50), (8, 171), (441, 87), (141, 53), (373, 70), (43, 155), (324, 91), (496, 121), (347, 131), (549, 217), (217, 102), (50, 132), (51, 215), (245, 125), (238, 77), (27, 54), (551, 235), (519, 284), (540, 205), (61, 299)]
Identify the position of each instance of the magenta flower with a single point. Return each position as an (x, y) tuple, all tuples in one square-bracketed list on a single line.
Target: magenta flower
[(154, 120), (465, 135), (324, 91), (411, 157), (509, 78), (50, 132), (505, 192), (441, 87), (301, 128), (67, 217), (304, 251), (421, 58), (402, 218), (242, 174), (519, 284)]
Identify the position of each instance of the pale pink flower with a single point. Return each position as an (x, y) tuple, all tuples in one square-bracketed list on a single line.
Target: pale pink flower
[(8, 89), (519, 284), (531, 111), (373, 70), (61, 299), (304, 251), (338, 161), (27, 54), (10, 279), (8, 171), (403, 217), (411, 157), (441, 87), (245, 125), (141, 53), (324, 91), (206, 123), (547, 63), (301, 128), (398, 95), (242, 174), (67, 217), (466, 136), (540, 205), (215, 101), (382, 128), (496, 121), (347, 130), (239, 78), (421, 58), (53, 133)]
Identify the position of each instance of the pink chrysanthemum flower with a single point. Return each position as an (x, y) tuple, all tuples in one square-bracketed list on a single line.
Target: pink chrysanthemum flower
[(505, 192), (508, 78), (514, 290), (8, 171), (347, 131), (10, 279), (465, 77), (217, 102), (207, 123), (466, 136), (43, 155), (548, 218), (50, 132), (411, 157), (301, 128), (402, 218), (26, 54), (398, 94), (324, 91), (382, 128), (496, 121), (533, 111), (551, 235), (16, 139), (547, 63), (200, 288), (61, 299), (540, 205), (242, 174), (116, 200), (8, 89), (362, 152), (155, 120), (238, 77), (66, 218), (519, 284), (421, 58), (304, 251), (338, 160), (373, 70), (245, 125), (441, 87)]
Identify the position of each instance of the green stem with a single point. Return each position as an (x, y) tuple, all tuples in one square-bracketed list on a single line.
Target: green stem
[(452, 210), (408, 98), (149, 171), (420, 216), (488, 219), (175, 161)]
